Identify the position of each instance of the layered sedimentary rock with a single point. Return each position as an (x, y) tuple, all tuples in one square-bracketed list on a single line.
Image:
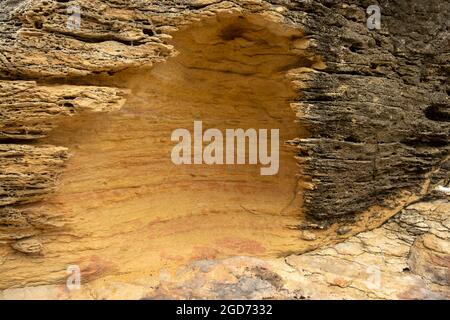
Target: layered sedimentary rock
[(407, 258), (370, 111), (30, 111), (369, 131)]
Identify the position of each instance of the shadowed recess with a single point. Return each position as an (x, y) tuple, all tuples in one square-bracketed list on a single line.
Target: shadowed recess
[(130, 211)]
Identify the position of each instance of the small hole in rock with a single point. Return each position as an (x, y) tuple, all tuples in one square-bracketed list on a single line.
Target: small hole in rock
[(148, 32), (68, 105), (352, 139), (232, 32), (438, 112), (38, 25)]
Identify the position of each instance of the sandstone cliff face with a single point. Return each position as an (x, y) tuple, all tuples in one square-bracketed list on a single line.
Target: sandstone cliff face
[(407, 258), (368, 135)]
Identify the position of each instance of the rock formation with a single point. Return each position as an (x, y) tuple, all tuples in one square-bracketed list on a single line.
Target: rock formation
[(86, 113)]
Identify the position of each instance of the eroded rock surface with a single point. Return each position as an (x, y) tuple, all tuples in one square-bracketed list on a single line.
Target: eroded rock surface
[(30, 111), (407, 258), (374, 104)]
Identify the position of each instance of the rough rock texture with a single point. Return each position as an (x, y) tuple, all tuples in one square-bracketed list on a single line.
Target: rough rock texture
[(29, 172), (107, 42), (375, 104), (379, 112), (407, 258), (377, 108), (30, 111)]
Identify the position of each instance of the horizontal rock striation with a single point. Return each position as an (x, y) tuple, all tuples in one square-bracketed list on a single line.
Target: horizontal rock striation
[(378, 113), (375, 103), (27, 174), (376, 108), (29, 111), (407, 258)]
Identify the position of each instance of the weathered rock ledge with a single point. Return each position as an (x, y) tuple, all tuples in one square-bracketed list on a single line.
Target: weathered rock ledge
[(375, 105), (407, 258)]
